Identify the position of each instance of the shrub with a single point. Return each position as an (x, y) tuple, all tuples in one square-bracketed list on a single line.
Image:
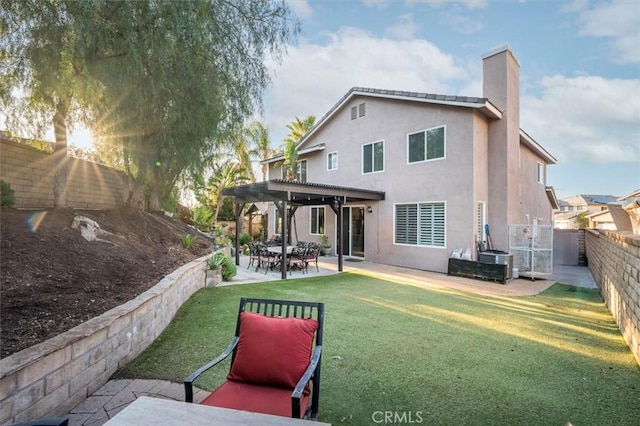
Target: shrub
[(7, 195), (216, 260), (229, 269), (245, 238), (187, 240)]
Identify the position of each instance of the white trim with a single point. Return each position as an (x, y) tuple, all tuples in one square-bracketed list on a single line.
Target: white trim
[(540, 172), (362, 172), (319, 147), (328, 154), (324, 214), (444, 126), (417, 203)]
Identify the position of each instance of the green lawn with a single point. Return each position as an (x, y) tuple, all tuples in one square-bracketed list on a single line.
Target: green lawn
[(429, 355)]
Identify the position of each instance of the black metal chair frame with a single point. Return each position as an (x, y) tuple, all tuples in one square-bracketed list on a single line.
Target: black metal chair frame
[(278, 308)]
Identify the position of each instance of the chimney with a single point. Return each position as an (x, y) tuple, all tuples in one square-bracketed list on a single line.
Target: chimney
[(501, 86)]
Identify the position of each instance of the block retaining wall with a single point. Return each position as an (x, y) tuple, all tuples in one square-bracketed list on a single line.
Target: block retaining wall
[(30, 172), (614, 261), (50, 378)]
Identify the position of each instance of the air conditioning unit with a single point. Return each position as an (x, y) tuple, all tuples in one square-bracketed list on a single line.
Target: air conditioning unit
[(500, 258)]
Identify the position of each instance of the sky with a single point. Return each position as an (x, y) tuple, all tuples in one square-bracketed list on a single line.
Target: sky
[(579, 71)]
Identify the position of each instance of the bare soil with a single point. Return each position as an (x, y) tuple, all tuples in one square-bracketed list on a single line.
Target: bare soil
[(52, 279)]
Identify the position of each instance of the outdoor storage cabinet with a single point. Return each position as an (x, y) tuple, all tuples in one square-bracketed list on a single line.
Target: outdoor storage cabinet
[(477, 270)]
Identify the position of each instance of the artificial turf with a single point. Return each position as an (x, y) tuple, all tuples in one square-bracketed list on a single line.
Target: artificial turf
[(401, 354)]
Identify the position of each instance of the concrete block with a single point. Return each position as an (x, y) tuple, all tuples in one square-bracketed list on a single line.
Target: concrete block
[(83, 380), (101, 379), (26, 397), (65, 374), (84, 345), (42, 407), (8, 385), (40, 369)]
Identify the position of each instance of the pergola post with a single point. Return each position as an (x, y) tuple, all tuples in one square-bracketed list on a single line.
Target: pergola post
[(239, 207), (337, 209)]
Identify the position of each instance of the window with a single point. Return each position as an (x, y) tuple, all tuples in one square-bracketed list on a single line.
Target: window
[(373, 157), (361, 110), (354, 112), (302, 171), (332, 160), (317, 220), (277, 224), (426, 145), (421, 224), (540, 173)]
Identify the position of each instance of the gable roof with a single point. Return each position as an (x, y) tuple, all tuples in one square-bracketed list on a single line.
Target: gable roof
[(482, 104)]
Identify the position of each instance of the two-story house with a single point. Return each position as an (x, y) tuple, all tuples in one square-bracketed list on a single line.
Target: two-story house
[(447, 166)]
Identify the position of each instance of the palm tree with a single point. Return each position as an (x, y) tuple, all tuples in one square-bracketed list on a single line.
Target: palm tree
[(259, 136), (297, 129)]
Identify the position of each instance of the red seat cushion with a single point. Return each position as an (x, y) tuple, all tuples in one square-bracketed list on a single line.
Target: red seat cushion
[(255, 398), (273, 351)]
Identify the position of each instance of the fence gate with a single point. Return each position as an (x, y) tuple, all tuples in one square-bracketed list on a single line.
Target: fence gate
[(565, 247)]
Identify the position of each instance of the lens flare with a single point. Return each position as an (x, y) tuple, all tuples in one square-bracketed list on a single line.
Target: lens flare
[(34, 220)]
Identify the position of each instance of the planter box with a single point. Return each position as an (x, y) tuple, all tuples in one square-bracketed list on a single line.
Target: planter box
[(478, 270), (213, 277)]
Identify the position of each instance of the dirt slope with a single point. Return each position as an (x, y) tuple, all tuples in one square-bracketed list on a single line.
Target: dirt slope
[(52, 279)]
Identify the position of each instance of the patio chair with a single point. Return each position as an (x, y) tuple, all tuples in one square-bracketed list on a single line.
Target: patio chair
[(254, 253), (297, 259), (267, 259), (313, 251), (275, 366)]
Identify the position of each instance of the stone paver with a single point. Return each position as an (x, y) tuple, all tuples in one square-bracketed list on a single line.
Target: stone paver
[(115, 395)]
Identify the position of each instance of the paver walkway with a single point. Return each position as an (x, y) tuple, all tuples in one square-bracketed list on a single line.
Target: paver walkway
[(115, 395)]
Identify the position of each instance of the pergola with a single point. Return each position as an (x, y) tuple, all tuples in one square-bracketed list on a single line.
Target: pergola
[(288, 196)]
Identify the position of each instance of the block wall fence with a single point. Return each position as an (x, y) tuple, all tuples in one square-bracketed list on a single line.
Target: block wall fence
[(30, 173), (614, 261), (50, 378)]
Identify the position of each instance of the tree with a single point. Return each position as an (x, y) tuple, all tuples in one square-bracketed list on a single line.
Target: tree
[(171, 75), (44, 78), (297, 129), (259, 135)]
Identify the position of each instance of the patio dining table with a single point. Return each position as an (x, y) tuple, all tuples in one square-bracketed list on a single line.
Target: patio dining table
[(147, 411)]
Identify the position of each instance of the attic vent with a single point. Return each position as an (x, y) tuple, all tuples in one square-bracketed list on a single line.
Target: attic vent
[(354, 113), (361, 110)]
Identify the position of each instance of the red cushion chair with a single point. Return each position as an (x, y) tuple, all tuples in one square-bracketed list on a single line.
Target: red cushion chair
[(275, 363)]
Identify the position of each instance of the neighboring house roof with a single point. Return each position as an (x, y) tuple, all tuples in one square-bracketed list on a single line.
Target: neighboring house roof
[(595, 215), (632, 194), (599, 199), (587, 199)]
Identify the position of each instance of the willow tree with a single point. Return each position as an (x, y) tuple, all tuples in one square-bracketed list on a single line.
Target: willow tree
[(44, 82), (172, 75)]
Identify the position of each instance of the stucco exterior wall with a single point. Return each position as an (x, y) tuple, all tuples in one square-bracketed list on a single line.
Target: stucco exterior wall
[(485, 161), (532, 196), (614, 261), (30, 172)]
